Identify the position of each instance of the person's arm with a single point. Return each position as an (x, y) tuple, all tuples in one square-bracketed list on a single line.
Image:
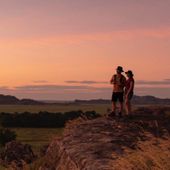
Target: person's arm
[(130, 88), (124, 81), (112, 80)]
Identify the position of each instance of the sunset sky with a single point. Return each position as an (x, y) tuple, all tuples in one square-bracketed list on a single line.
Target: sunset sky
[(69, 49)]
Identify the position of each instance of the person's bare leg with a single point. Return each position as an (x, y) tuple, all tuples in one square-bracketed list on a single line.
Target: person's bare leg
[(121, 109), (114, 107), (128, 107), (112, 113)]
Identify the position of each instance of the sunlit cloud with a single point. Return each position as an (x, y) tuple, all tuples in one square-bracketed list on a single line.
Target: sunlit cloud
[(103, 37)]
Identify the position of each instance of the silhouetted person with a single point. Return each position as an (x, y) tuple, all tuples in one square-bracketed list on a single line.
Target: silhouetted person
[(129, 88), (118, 81)]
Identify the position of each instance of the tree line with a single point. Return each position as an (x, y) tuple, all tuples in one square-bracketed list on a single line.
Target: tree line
[(42, 119)]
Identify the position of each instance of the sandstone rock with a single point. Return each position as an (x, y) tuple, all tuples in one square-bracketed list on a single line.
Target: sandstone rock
[(98, 144), (16, 154)]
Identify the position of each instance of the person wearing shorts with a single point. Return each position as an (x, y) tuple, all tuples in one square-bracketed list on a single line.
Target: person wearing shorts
[(118, 80), (129, 88)]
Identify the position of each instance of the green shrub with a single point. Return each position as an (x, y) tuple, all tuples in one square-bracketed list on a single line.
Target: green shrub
[(6, 135)]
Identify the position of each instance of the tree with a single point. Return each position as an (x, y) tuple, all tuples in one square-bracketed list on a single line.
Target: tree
[(6, 135)]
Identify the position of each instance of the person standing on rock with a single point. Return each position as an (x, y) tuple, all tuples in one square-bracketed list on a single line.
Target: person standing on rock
[(118, 80), (129, 88)]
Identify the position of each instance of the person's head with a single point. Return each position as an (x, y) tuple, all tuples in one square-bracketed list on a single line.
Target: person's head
[(129, 73), (119, 70)]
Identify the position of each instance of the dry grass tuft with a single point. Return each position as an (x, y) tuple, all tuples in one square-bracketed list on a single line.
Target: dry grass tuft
[(150, 155)]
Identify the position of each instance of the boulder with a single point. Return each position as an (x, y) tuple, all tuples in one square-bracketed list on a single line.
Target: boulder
[(17, 154)]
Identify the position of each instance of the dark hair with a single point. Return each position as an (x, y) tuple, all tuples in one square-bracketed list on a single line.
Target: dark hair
[(130, 73)]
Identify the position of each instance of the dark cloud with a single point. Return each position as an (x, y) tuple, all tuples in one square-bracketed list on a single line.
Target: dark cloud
[(162, 92), (57, 92), (4, 88), (86, 82), (64, 92), (51, 87), (163, 82), (138, 82), (166, 79), (40, 81)]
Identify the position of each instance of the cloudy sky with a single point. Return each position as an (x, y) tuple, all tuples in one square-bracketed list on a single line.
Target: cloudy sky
[(67, 49)]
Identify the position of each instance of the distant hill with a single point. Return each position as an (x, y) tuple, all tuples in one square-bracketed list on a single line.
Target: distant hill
[(140, 100), (7, 99), (30, 102), (136, 100)]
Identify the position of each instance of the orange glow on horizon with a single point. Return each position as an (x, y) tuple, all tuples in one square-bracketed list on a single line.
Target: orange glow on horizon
[(51, 42)]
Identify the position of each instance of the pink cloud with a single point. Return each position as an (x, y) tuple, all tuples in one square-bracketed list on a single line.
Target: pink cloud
[(161, 33)]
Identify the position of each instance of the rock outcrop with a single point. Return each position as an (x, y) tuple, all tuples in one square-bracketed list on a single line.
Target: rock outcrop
[(140, 142), (16, 155)]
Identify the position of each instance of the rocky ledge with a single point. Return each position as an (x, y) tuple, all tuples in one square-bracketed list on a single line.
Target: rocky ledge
[(140, 142)]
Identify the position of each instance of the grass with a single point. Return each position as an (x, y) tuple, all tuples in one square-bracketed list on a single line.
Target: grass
[(148, 157), (99, 108), (37, 137), (2, 168)]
